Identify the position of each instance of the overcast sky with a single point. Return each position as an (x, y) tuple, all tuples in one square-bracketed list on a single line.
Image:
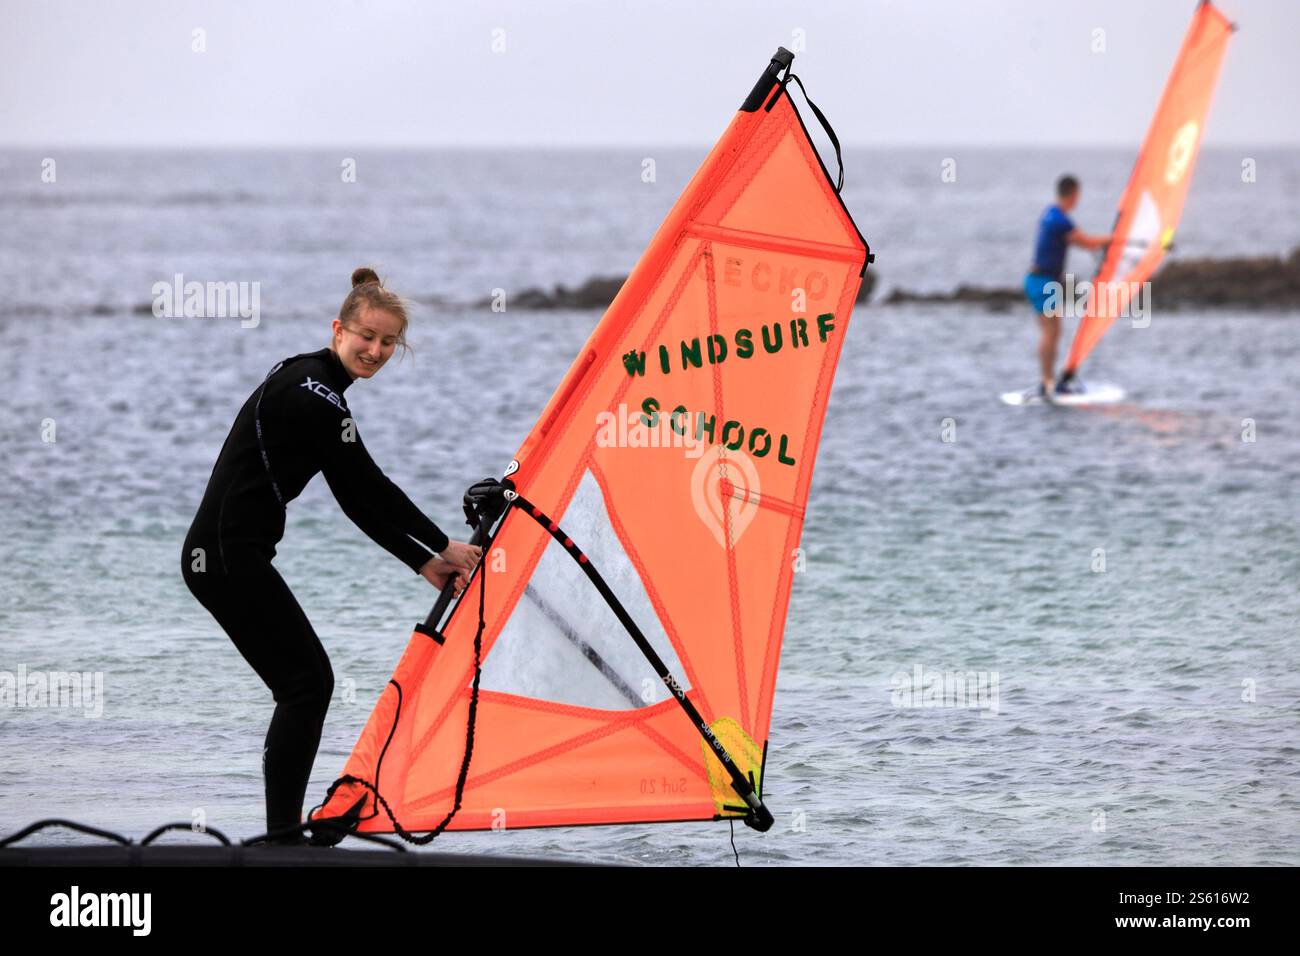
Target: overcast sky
[(338, 73)]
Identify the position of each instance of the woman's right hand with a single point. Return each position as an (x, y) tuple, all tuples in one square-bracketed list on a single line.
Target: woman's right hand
[(461, 555), (438, 573)]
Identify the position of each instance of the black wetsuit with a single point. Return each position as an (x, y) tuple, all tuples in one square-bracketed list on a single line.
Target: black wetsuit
[(295, 424)]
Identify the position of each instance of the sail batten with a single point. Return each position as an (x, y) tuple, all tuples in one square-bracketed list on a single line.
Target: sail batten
[(755, 240)]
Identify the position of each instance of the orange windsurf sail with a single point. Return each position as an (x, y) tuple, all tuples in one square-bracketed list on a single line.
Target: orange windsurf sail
[(629, 609), (1152, 201)]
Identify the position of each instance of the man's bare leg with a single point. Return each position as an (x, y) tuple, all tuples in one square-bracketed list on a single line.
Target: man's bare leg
[(1050, 327)]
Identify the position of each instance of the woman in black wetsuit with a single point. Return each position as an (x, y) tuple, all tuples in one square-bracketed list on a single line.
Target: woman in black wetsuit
[(295, 424)]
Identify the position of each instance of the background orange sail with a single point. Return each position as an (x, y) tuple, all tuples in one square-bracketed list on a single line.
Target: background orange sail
[(1152, 201), (726, 333)]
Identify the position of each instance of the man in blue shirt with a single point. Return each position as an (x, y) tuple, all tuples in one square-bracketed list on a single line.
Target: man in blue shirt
[(1056, 231)]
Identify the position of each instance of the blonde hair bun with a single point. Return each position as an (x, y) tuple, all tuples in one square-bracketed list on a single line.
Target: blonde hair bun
[(363, 275)]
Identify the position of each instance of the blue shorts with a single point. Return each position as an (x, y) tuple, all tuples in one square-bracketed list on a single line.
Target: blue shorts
[(1037, 291)]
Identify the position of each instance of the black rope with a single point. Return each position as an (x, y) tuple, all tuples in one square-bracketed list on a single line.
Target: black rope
[(79, 827), (110, 835), (379, 764), (821, 118), (215, 834), (464, 766), (268, 839)]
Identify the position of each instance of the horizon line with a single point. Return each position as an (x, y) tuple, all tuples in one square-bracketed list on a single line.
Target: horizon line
[(1055, 145)]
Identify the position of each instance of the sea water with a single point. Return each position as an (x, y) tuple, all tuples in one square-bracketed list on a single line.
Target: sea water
[(1021, 636)]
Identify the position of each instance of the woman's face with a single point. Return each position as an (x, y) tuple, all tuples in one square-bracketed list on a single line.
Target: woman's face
[(366, 342)]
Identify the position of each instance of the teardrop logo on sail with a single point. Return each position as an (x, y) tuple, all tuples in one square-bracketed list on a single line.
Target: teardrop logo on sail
[(724, 490), (1181, 151)]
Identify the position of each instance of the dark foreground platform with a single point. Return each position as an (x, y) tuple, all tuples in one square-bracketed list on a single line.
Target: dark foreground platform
[(154, 855), (117, 850)]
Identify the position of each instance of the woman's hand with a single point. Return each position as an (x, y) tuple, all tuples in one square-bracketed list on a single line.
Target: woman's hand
[(438, 572), (461, 555)]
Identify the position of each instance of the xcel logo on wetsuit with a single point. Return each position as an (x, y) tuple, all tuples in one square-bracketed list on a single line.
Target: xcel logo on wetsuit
[(324, 392)]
